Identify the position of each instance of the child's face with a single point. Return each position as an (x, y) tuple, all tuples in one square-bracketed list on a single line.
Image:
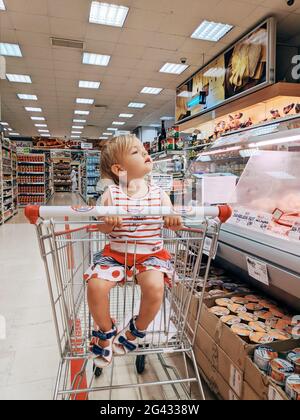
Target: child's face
[(136, 162)]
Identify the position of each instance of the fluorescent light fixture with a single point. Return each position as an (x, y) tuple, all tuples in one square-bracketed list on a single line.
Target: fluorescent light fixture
[(18, 78), (76, 132), (27, 97), (227, 149), (79, 112), (43, 131), (103, 138), (4, 124), (30, 109), (75, 137), (14, 134), (275, 141), (8, 129), (10, 50), (45, 135), (136, 105), (185, 94), (154, 125), (173, 68), (112, 129), (89, 85), (37, 118), (85, 101), (125, 115), (151, 90), (246, 153), (107, 134), (211, 31), (95, 59), (123, 132), (167, 118), (77, 127), (118, 123), (215, 72), (2, 5), (79, 121), (41, 125), (108, 14)]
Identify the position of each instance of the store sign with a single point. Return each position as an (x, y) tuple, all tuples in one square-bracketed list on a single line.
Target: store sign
[(165, 182), (246, 66), (87, 146), (258, 270), (208, 249), (295, 232)]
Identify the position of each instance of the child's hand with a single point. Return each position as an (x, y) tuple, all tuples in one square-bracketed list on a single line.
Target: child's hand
[(113, 221), (173, 222)]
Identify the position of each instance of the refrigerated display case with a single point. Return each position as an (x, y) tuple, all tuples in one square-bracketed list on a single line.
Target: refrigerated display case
[(261, 242)]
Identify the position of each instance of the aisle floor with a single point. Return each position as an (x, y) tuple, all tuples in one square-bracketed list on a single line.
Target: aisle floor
[(28, 355)]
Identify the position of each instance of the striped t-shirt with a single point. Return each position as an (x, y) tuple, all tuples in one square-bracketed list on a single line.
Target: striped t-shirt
[(137, 238)]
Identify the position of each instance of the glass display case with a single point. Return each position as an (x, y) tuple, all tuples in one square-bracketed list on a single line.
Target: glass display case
[(265, 226)]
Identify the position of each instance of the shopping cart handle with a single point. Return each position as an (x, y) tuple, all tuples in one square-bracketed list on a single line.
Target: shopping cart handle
[(33, 213)]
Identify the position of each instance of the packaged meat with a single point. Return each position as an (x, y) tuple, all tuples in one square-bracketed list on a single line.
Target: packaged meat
[(252, 307), (239, 300), (280, 335), (259, 326), (264, 315), (223, 302), (252, 298), (248, 317)]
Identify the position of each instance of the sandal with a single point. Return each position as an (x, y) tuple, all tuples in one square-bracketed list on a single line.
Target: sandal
[(122, 344), (102, 355)]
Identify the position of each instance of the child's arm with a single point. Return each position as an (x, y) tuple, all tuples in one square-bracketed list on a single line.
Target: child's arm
[(171, 222), (109, 222)]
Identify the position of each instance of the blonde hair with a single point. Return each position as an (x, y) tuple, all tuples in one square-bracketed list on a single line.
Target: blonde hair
[(111, 153)]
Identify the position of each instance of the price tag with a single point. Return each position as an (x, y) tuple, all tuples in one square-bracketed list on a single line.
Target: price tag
[(262, 222), (165, 182), (258, 270), (207, 249), (295, 232)]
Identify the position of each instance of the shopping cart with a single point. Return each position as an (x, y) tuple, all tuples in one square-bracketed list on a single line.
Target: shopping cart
[(68, 238)]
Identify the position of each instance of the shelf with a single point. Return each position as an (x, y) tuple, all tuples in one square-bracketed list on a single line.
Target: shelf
[(30, 163), (31, 183), (31, 194), (31, 173)]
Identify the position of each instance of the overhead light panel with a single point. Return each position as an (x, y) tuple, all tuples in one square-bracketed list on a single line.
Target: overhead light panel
[(125, 115), (78, 127), (19, 78), (103, 138), (2, 5), (107, 134), (136, 105), (108, 14), (211, 31), (30, 109), (85, 101), (76, 132), (89, 85), (27, 97), (151, 90), (75, 137), (41, 125), (8, 129), (173, 68), (10, 50), (118, 123), (95, 59), (79, 121), (112, 129), (14, 134), (43, 131), (45, 135), (38, 118), (4, 124), (79, 112)]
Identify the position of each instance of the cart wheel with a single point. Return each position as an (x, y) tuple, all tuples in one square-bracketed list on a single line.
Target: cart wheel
[(97, 371), (140, 364)]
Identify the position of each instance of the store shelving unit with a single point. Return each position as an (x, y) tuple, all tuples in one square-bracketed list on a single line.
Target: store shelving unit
[(90, 175), (76, 166), (8, 205), (62, 174), (34, 178)]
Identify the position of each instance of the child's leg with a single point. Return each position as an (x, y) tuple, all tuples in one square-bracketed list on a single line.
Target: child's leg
[(98, 301)]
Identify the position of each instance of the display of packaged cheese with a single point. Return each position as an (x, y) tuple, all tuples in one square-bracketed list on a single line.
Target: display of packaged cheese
[(248, 317), (280, 370), (239, 300), (259, 326), (235, 308), (252, 298), (280, 335), (263, 357), (231, 320), (261, 338), (277, 312), (252, 307), (292, 387), (219, 311), (223, 302), (263, 315), (242, 330)]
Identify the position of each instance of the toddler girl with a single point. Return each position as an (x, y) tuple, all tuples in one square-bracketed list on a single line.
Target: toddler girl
[(138, 246)]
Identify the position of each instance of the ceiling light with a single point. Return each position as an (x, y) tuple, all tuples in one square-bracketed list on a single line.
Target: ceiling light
[(112, 129), (78, 112), (76, 132), (107, 134), (108, 14), (85, 101), (11, 50), (8, 129), (211, 31), (79, 121), (2, 5), (151, 90), (78, 127), (136, 105), (96, 59), (27, 97), (103, 138), (37, 118), (45, 135), (89, 85), (173, 68), (167, 118), (125, 115), (215, 72), (41, 125), (4, 123), (118, 123), (19, 78), (155, 125), (43, 131), (75, 137), (30, 109), (14, 134)]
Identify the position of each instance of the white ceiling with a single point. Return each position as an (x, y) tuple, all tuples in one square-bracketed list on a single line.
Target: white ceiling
[(155, 32)]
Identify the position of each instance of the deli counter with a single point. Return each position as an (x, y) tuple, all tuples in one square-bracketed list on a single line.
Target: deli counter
[(261, 242)]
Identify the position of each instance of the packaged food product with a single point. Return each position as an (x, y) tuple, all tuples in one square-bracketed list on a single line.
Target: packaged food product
[(223, 302), (216, 284), (264, 315), (267, 304), (252, 298), (215, 292), (280, 335), (277, 312), (242, 330), (258, 326), (263, 356), (282, 324), (248, 317), (236, 308), (271, 322), (280, 370), (252, 307), (239, 300), (230, 287), (292, 387), (231, 320), (219, 311), (261, 338), (242, 289)]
